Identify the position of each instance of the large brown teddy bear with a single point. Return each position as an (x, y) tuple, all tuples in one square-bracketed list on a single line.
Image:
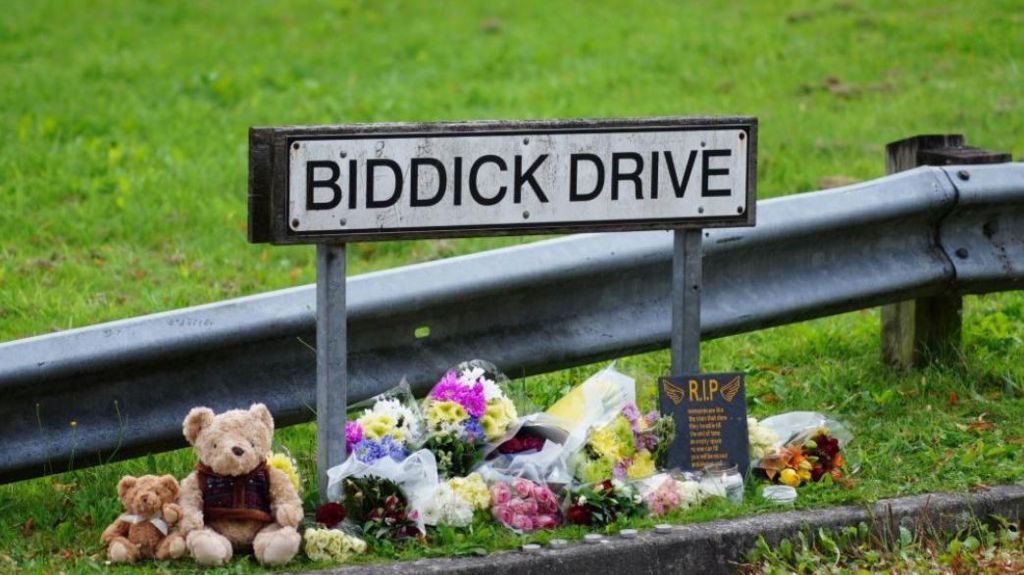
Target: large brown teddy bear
[(143, 531), (234, 501)]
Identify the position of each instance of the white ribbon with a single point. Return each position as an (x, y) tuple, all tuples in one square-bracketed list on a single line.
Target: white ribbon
[(155, 520)]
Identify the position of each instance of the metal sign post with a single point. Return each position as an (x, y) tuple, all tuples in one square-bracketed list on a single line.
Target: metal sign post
[(327, 185), (687, 283), (331, 360)]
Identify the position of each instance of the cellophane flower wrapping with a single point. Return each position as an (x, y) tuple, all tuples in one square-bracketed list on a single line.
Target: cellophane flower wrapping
[(536, 442), (525, 503), (598, 504), (331, 545), (592, 403), (387, 425), (379, 509), (808, 448), (632, 445), (465, 410), (415, 476), (456, 501), (664, 493)]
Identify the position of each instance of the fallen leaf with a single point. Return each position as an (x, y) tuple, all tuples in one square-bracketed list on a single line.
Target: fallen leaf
[(980, 424), (979, 487), (952, 398), (27, 527), (837, 181)]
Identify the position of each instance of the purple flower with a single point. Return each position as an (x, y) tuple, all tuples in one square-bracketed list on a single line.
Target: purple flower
[(470, 398), (353, 434), (631, 413), (621, 467), (474, 432), (369, 451)]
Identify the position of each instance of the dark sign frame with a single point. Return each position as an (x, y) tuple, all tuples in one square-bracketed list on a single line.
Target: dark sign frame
[(269, 176)]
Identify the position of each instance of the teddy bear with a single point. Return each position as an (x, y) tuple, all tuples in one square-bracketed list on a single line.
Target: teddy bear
[(233, 501), (143, 531)]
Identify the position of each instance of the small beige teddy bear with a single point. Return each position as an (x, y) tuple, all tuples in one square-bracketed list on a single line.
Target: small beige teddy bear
[(234, 501), (144, 530)]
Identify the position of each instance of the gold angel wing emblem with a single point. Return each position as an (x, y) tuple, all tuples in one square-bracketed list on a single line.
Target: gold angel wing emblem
[(730, 389), (674, 392)]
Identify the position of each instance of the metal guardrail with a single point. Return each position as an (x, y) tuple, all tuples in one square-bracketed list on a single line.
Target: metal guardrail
[(120, 389)]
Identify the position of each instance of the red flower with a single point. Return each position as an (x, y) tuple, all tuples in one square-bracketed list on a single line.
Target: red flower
[(330, 514), (523, 441), (578, 515)]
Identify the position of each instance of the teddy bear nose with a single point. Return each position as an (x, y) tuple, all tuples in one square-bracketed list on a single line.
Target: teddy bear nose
[(237, 451)]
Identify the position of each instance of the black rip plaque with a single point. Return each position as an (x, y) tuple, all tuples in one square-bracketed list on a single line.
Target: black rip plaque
[(710, 411)]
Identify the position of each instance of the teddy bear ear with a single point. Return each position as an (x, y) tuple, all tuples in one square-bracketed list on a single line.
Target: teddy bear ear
[(195, 421), (171, 484), (261, 412), (126, 483)]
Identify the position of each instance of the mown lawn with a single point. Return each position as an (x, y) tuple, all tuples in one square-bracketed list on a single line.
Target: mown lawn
[(123, 181)]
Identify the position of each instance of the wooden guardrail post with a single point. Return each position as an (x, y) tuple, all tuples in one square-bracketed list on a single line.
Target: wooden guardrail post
[(918, 332)]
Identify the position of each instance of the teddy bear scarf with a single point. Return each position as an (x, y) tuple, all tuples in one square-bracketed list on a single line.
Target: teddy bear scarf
[(240, 497)]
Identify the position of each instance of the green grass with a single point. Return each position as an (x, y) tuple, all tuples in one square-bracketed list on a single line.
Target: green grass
[(123, 182), (982, 546)]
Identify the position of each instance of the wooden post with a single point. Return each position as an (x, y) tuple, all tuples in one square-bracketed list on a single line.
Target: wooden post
[(915, 333)]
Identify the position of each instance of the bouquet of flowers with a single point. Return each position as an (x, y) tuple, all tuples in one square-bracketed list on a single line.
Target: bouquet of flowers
[(630, 446), (524, 506), (379, 508), (325, 542), (811, 449), (464, 410), (664, 493), (456, 501), (388, 425), (602, 503)]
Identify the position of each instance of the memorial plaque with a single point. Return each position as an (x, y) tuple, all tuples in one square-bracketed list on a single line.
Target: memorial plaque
[(710, 411)]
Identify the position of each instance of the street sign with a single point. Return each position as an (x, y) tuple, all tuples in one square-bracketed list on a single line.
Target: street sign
[(376, 182), (329, 185)]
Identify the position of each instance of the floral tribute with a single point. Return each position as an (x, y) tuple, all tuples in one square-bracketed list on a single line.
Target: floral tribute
[(602, 503), (284, 462), (811, 459), (379, 509), (524, 506), (326, 543), (465, 410), (456, 501), (388, 428), (630, 446), (762, 439)]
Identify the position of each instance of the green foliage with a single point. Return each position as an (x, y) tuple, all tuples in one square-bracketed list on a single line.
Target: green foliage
[(455, 457), (981, 547)]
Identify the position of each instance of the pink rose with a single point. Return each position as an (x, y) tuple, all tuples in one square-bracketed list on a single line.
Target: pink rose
[(545, 521), (529, 507), (545, 500), (517, 505), (523, 487), (522, 522), (500, 493), (503, 515)]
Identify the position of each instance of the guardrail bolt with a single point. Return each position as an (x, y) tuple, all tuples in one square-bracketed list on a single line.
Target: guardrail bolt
[(964, 175), (961, 253)]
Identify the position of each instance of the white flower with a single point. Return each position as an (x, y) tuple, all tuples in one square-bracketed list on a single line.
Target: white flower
[(409, 423), (582, 500), (445, 507), (332, 545), (690, 494), (761, 439)]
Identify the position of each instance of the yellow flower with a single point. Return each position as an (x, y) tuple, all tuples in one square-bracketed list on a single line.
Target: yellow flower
[(286, 465), (606, 442), (472, 489), (642, 466), (499, 413), (442, 412), (789, 476), (377, 425)]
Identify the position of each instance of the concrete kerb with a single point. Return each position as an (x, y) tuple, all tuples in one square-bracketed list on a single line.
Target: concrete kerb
[(716, 547)]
